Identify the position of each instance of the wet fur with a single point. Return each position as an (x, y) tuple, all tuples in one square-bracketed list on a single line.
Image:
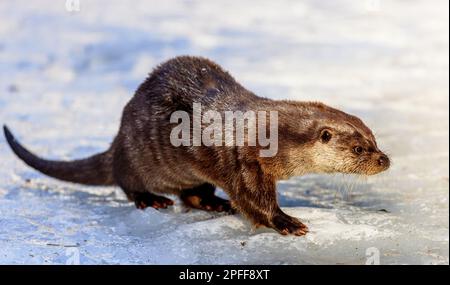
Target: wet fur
[(142, 161)]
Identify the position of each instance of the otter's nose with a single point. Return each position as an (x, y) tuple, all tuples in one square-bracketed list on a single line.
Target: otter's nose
[(383, 160)]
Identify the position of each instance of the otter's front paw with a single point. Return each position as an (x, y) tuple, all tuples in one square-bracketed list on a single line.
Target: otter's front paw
[(286, 224)]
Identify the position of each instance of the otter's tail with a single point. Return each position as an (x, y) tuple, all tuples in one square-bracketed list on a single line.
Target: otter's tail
[(94, 170)]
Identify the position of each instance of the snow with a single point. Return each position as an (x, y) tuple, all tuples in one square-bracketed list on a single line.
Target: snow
[(65, 77)]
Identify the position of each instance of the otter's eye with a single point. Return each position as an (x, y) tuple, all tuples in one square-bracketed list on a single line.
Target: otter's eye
[(357, 149), (325, 136)]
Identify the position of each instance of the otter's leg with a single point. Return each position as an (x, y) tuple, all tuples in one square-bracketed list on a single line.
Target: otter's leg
[(202, 197), (147, 199), (254, 195), (136, 192), (132, 185)]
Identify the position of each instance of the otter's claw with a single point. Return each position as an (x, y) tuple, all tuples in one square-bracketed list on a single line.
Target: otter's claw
[(286, 224), (144, 200)]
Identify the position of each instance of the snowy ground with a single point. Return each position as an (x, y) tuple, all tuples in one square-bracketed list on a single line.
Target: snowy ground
[(65, 77)]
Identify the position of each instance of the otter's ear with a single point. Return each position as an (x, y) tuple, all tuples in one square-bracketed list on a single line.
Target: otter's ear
[(325, 135)]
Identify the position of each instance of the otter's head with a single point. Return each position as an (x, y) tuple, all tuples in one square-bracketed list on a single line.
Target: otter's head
[(343, 143), (315, 138)]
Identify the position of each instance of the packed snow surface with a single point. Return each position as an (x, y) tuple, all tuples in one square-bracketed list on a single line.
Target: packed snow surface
[(65, 77)]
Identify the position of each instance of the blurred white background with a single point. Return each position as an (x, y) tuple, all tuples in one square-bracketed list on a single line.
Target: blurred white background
[(65, 76)]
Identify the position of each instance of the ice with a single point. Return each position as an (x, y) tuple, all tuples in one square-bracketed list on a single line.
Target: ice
[(65, 77)]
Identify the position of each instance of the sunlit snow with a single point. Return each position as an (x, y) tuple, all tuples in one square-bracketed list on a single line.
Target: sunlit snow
[(65, 77)]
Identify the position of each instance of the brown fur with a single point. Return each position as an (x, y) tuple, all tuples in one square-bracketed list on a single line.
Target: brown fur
[(142, 161)]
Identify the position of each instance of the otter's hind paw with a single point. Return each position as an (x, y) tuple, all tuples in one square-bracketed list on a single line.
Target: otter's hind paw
[(146, 199)]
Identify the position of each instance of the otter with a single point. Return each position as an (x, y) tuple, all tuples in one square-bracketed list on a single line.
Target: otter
[(313, 138)]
